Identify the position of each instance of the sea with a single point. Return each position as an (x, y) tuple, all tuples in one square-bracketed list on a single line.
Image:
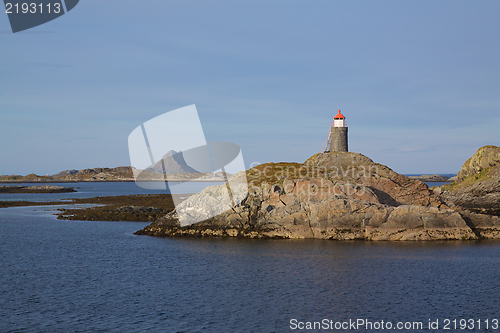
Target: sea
[(81, 276)]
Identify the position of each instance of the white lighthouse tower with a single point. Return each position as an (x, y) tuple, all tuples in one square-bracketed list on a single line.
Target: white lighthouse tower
[(337, 137)]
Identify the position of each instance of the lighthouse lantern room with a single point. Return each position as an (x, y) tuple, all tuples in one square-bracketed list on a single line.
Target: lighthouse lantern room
[(339, 120)]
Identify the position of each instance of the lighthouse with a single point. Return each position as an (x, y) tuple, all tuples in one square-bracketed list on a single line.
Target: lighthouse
[(337, 138)]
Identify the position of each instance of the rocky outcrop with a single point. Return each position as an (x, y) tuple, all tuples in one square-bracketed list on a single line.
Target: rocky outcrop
[(331, 196), (483, 159), (477, 185)]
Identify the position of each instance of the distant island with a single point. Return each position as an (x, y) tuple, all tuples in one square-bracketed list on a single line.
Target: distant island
[(171, 167), (431, 178), (35, 189), (118, 174)]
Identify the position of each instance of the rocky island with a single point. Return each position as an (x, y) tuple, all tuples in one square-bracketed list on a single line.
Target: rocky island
[(118, 174), (177, 171), (70, 176), (347, 196), (35, 189), (430, 178)]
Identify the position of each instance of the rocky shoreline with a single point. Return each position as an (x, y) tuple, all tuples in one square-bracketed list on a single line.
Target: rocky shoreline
[(133, 208), (337, 196), (130, 208)]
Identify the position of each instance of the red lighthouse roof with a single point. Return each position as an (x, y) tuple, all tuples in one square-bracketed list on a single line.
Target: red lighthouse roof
[(339, 116)]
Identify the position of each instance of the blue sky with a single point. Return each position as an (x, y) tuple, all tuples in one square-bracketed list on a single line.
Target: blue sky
[(419, 81)]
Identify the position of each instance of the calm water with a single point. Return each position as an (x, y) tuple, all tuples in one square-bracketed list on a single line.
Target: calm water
[(91, 189), (432, 184), (73, 276)]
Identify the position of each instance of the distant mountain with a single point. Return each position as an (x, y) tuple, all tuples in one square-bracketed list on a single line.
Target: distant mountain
[(170, 153), (174, 163)]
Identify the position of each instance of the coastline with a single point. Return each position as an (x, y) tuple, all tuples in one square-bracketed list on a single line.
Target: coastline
[(334, 196), (106, 181)]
